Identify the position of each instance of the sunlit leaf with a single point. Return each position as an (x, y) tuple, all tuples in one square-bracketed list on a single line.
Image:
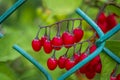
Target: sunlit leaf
[(4, 77), (62, 6)]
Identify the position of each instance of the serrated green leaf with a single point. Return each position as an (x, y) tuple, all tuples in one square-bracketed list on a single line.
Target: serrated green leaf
[(62, 7)]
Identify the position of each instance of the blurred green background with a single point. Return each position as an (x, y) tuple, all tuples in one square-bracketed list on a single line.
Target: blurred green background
[(21, 27)]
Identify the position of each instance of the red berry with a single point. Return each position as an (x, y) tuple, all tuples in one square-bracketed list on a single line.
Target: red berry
[(78, 34), (83, 69), (103, 26), (111, 21), (98, 68), (83, 56), (57, 43), (68, 39), (52, 63), (69, 64), (102, 17), (90, 74), (95, 61), (61, 61), (36, 45), (76, 57), (43, 39), (93, 48), (118, 77), (102, 23), (47, 46), (112, 78)]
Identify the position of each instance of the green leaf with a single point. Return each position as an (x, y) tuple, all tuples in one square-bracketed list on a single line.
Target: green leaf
[(4, 77), (118, 70), (113, 45), (6, 51), (108, 64), (32, 74), (62, 7), (7, 72), (113, 9)]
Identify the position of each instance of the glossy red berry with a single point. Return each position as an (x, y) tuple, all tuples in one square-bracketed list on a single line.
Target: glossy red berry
[(98, 68), (111, 21), (69, 64), (68, 39), (102, 22), (90, 74), (93, 48), (76, 57), (118, 77), (78, 34), (52, 63), (61, 61), (95, 61), (47, 47), (82, 57), (112, 78), (43, 39), (36, 45), (57, 43), (83, 69)]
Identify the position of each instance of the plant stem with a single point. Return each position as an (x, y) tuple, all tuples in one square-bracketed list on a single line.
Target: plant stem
[(37, 33), (58, 30), (67, 29), (53, 56), (66, 52)]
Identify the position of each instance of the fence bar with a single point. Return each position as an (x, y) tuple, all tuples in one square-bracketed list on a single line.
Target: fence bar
[(109, 34), (90, 22), (33, 61), (1, 35), (112, 55), (11, 10)]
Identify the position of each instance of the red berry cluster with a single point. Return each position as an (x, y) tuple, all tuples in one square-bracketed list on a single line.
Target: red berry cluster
[(68, 39), (91, 68), (106, 23)]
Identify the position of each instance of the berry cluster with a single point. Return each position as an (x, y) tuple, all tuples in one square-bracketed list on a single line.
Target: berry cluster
[(66, 39), (91, 68), (70, 38), (106, 23)]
